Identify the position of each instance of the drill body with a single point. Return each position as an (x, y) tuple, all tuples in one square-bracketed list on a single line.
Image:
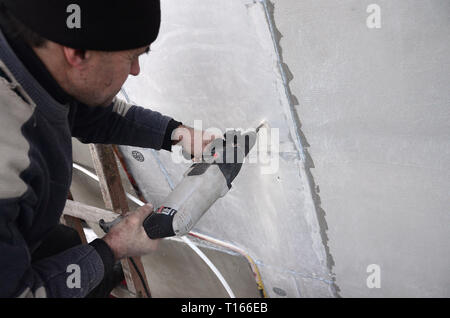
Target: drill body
[(202, 185)]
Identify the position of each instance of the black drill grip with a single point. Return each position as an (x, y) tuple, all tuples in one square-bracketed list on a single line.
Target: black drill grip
[(159, 224)]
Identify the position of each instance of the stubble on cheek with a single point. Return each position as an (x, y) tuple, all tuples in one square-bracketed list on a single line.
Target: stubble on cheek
[(112, 75)]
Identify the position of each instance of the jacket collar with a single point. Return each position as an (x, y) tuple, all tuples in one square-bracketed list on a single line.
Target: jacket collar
[(37, 69)]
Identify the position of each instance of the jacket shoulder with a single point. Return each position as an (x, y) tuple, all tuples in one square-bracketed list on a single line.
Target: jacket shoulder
[(15, 111)]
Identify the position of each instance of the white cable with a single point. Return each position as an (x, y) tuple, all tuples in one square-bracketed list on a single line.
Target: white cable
[(184, 238), (210, 264), (135, 200), (86, 172), (93, 176)]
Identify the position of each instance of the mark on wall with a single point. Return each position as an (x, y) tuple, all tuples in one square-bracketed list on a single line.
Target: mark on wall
[(138, 156)]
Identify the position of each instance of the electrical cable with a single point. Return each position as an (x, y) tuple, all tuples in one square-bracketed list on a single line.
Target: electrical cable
[(210, 264), (93, 176), (140, 277), (236, 249)]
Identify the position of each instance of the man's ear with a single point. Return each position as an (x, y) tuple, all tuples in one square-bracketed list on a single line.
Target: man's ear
[(75, 57)]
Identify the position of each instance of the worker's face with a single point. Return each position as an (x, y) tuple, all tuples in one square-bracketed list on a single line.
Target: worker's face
[(102, 74)]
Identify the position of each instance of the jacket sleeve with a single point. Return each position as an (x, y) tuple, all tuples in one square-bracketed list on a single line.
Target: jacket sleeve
[(123, 124), (72, 273)]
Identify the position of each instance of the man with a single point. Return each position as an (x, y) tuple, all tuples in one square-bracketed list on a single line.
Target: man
[(61, 66)]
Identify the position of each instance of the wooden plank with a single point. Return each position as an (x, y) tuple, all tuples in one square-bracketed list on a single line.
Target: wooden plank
[(115, 199), (120, 292), (130, 177), (75, 223), (110, 183), (87, 212)]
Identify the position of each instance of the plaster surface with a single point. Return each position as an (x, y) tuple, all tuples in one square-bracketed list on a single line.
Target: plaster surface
[(374, 108)]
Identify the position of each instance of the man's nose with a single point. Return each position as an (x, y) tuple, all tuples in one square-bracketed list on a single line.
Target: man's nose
[(135, 68)]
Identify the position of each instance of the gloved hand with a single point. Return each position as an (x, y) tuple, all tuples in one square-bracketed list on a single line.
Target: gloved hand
[(128, 238)]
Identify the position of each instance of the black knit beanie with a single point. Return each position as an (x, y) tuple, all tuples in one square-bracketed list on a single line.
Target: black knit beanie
[(102, 25)]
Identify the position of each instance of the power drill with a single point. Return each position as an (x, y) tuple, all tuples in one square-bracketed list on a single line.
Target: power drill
[(202, 185)]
